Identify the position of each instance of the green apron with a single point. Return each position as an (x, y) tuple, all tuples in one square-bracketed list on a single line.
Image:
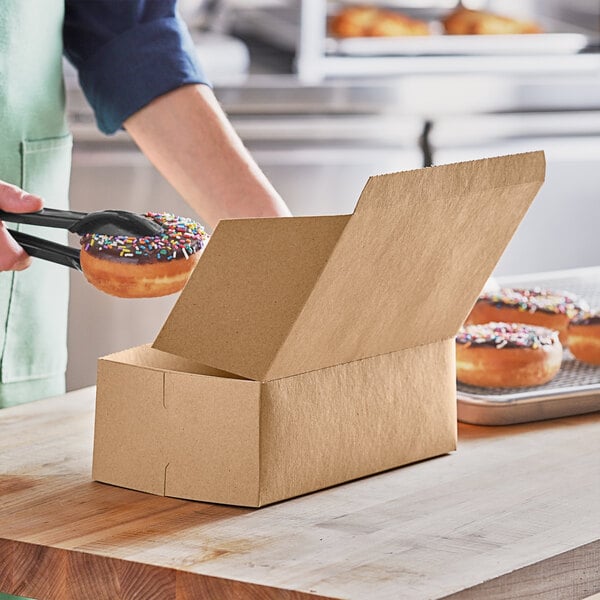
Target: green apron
[(35, 154)]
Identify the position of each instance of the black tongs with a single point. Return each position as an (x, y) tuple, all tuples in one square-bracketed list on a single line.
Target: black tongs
[(109, 222)]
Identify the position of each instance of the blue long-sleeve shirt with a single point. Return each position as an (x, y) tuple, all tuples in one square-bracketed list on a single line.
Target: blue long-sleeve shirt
[(127, 52)]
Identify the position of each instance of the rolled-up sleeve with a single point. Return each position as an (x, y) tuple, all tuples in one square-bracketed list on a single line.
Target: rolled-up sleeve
[(127, 52)]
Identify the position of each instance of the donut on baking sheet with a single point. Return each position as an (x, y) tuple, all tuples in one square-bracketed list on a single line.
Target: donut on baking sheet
[(507, 355), (535, 306), (584, 337), (144, 267), (464, 21), (369, 21)]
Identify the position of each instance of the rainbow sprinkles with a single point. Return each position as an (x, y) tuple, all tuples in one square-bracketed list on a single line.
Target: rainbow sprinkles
[(506, 335), (181, 238), (532, 300)]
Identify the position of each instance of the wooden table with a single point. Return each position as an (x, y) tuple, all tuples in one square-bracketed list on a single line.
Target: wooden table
[(514, 513)]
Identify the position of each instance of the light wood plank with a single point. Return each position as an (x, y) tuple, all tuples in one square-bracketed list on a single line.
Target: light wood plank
[(515, 509), (577, 572)]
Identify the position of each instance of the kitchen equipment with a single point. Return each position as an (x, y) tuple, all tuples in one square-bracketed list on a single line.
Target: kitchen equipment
[(471, 45), (225, 59), (47, 250), (110, 222), (576, 388), (300, 26), (560, 230)]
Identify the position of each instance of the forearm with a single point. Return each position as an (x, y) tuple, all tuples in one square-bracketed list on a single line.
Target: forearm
[(188, 138)]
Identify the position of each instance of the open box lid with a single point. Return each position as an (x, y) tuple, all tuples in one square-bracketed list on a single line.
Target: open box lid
[(271, 298)]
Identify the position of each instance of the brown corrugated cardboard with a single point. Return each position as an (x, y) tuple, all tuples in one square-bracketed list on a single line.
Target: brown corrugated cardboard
[(329, 342)]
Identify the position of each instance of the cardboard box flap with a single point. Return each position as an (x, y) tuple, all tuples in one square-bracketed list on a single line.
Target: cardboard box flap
[(412, 260), (402, 271), (247, 290)]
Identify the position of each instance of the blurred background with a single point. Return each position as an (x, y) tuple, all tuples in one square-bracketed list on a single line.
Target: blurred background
[(322, 110)]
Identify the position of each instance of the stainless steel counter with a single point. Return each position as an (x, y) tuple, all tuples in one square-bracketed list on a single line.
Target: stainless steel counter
[(422, 96), (427, 96)]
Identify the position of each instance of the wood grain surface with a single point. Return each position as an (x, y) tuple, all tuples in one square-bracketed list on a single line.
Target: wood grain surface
[(514, 513)]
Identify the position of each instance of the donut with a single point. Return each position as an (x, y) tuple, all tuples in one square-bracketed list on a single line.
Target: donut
[(464, 21), (143, 267), (507, 355), (536, 306), (584, 337), (369, 21)]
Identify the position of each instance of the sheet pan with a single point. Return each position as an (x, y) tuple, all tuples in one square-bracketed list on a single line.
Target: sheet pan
[(576, 388)]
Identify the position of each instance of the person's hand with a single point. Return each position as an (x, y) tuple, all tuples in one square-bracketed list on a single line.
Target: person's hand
[(13, 199)]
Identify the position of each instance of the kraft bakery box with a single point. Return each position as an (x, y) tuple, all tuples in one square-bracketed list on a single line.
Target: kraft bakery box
[(309, 351)]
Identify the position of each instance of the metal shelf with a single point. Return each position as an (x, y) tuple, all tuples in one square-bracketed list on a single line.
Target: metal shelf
[(301, 28)]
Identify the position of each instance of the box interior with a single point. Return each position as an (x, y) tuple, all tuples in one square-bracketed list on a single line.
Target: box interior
[(150, 358)]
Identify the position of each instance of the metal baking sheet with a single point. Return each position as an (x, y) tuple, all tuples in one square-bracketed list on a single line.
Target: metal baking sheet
[(463, 45), (576, 388)]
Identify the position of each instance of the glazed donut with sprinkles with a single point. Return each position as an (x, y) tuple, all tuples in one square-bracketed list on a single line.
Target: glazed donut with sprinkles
[(584, 337), (536, 306), (507, 355), (144, 267)]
